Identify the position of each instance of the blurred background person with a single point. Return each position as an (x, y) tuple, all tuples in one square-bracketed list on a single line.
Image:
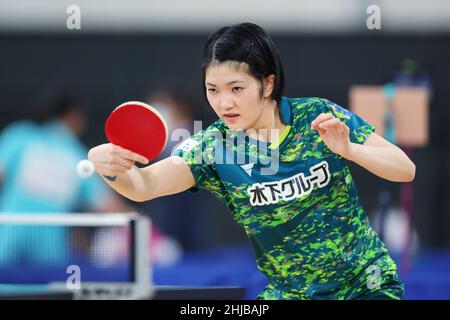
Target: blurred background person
[(38, 157), (37, 160), (393, 218)]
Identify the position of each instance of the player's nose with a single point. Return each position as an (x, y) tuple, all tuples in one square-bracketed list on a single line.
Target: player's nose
[(226, 104)]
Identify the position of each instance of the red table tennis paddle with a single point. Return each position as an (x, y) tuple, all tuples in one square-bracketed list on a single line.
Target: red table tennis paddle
[(137, 127)]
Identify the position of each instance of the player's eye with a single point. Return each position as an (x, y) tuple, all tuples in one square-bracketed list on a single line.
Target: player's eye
[(212, 90), (237, 89)]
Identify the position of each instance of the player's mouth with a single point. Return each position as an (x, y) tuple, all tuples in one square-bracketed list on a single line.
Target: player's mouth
[(231, 116)]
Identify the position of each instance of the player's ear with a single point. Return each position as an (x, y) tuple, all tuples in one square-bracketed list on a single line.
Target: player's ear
[(269, 82)]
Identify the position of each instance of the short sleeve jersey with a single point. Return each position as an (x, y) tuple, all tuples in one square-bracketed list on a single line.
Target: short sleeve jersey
[(297, 203)]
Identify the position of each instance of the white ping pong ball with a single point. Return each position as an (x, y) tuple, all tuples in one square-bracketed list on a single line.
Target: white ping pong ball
[(85, 168)]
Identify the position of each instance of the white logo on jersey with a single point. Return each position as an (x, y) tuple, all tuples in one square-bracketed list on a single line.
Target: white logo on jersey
[(291, 188), (187, 145), (248, 168)]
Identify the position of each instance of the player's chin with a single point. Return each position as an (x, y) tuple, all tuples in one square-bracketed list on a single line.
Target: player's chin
[(234, 123)]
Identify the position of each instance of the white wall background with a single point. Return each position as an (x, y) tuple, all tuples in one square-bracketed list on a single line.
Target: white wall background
[(205, 15)]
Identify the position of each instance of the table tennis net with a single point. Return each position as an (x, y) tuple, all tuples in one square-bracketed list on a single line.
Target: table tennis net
[(40, 248)]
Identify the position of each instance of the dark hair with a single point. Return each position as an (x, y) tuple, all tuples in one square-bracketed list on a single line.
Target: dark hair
[(53, 103), (249, 43)]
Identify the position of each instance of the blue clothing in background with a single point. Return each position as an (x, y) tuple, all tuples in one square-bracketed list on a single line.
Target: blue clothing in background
[(38, 170)]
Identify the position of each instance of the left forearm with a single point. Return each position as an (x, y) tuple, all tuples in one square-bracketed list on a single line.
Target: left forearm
[(388, 162)]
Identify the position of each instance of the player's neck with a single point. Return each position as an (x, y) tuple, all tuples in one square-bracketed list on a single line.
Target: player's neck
[(269, 126), (72, 125)]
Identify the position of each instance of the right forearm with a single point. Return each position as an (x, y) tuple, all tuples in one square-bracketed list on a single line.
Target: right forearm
[(114, 161), (168, 176), (131, 184)]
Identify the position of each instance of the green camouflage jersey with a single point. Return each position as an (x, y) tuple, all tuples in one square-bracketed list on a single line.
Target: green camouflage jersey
[(298, 204)]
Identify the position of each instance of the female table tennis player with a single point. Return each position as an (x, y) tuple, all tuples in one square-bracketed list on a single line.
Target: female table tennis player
[(311, 237)]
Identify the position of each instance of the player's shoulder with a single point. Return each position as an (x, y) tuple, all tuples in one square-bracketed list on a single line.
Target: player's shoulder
[(313, 106), (336, 109), (299, 102), (20, 125), (19, 128), (305, 107), (303, 104)]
